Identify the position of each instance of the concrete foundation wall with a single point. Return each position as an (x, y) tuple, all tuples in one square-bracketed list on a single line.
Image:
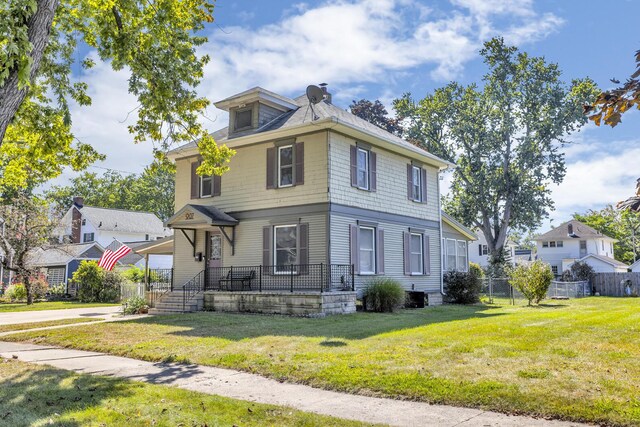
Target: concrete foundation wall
[(296, 303)]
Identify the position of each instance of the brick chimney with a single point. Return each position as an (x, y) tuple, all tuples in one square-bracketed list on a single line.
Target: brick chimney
[(76, 219), (327, 95)]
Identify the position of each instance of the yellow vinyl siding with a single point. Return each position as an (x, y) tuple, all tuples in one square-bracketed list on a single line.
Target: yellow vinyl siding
[(244, 186)]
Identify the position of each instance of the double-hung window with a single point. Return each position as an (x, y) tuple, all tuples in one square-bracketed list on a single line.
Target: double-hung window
[(545, 244), (206, 186), (416, 248), (462, 255), (416, 187), (367, 249), (552, 244), (88, 237), (484, 250), (451, 255), (285, 247), (285, 166), (362, 172), (559, 244)]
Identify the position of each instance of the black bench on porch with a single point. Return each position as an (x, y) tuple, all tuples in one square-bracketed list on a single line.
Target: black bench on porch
[(242, 277), (283, 278)]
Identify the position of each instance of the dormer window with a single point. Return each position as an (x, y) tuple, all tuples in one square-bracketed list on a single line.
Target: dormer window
[(243, 119)]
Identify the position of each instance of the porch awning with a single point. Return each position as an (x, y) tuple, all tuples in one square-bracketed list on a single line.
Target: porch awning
[(199, 217), (162, 246)]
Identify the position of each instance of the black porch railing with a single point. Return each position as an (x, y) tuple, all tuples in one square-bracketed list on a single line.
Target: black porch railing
[(192, 288), (160, 282), (288, 278)]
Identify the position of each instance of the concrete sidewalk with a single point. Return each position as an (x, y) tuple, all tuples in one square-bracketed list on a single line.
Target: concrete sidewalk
[(16, 317), (254, 388)]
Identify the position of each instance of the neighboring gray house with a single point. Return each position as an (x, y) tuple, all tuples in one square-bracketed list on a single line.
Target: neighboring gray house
[(310, 188), (82, 224), (58, 263)]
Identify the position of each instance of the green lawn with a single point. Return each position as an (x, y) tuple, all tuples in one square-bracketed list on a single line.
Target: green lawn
[(48, 305), (576, 359), (34, 325), (40, 395)]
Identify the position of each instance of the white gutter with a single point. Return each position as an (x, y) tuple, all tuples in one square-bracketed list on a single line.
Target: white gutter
[(440, 242)]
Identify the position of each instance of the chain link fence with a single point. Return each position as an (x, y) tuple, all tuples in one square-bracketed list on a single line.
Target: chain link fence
[(497, 290)]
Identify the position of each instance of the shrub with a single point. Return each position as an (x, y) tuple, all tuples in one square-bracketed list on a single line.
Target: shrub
[(134, 274), (135, 305), (532, 280), (582, 271), (16, 292), (462, 287), (475, 268), (39, 287), (88, 277), (383, 295), (111, 284)]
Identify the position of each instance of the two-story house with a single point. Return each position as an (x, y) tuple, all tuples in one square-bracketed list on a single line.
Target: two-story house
[(574, 241), (85, 224), (311, 186)]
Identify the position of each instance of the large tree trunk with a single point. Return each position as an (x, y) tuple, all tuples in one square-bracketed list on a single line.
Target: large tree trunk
[(39, 27)]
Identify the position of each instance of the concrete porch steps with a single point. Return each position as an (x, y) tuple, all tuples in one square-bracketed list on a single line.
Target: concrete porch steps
[(171, 303)]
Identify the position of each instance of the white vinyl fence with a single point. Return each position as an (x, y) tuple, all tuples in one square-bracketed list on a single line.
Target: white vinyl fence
[(130, 290)]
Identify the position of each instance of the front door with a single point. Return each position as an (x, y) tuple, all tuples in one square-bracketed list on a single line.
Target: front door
[(215, 251), (214, 260)]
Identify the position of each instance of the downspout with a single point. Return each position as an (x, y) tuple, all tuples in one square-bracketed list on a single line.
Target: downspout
[(440, 228)]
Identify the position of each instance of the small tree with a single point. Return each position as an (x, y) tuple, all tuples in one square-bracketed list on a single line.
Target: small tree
[(26, 227), (532, 280)]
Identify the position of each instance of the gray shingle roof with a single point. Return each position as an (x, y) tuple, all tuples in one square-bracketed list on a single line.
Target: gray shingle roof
[(124, 221), (323, 110), (62, 254), (580, 231), (606, 259), (129, 259)]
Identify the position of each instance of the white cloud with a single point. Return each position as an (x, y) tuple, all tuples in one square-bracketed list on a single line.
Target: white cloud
[(355, 42), (349, 44)]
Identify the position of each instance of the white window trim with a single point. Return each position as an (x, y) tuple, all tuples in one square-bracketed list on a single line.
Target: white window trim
[(375, 250), (485, 250), (411, 253), (202, 178), (367, 162), (280, 167), (445, 254), (275, 252), (416, 197)]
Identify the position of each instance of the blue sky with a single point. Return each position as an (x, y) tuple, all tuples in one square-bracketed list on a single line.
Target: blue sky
[(379, 49)]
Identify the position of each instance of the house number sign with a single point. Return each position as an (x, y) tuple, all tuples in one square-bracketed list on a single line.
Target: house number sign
[(188, 215)]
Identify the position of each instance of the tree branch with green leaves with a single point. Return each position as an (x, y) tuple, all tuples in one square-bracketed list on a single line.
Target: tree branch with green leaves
[(154, 40), (505, 137)]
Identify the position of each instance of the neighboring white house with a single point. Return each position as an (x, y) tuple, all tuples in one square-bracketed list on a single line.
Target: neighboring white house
[(479, 251), (84, 224), (574, 241), (635, 267)]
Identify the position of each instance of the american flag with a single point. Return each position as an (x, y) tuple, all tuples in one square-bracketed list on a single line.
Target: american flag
[(109, 257)]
